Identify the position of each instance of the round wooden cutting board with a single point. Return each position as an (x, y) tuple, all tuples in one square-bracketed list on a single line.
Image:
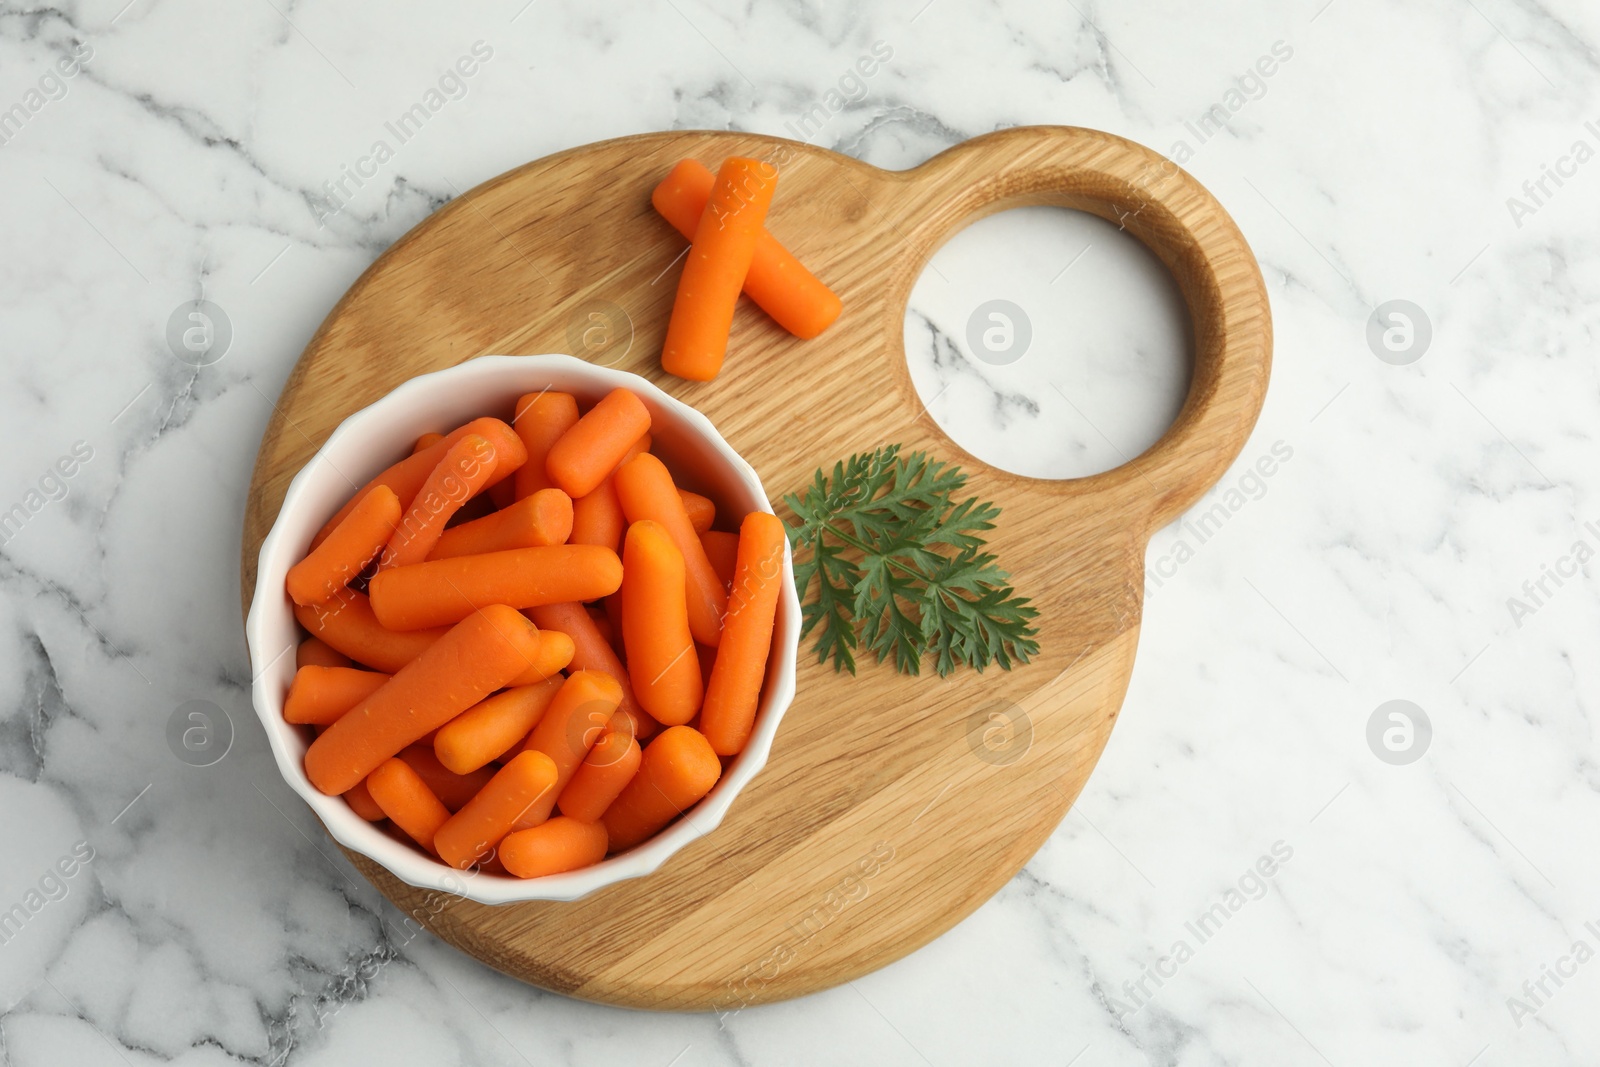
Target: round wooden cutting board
[(892, 806)]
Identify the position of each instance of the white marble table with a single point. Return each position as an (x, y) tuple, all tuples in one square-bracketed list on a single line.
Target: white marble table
[(1418, 527)]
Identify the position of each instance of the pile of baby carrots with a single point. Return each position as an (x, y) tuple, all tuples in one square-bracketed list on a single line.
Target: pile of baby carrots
[(528, 648), (724, 217)]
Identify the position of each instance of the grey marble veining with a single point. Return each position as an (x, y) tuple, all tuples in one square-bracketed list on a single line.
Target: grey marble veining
[(1265, 868)]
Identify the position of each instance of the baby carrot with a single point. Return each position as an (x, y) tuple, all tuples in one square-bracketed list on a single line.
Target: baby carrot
[(407, 476), (597, 517), (477, 656), (453, 789), (722, 549), (427, 440), (312, 652), (471, 834), (540, 420), (544, 518), (492, 726), (330, 566), (701, 511), (678, 769), (735, 686), (348, 624), (361, 802), (561, 844), (776, 280), (655, 626), (645, 488), (569, 728), (719, 257), (592, 652), (582, 457), (462, 472), (444, 591), (554, 655), (610, 765), (407, 800), (320, 696)]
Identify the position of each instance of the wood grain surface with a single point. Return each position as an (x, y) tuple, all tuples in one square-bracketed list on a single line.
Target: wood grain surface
[(892, 806)]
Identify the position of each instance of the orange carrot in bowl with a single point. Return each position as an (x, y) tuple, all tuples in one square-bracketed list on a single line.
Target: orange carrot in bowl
[(609, 766), (407, 476), (554, 655), (347, 549), (722, 549), (361, 802), (491, 727), (719, 258), (319, 696), (776, 280), (645, 488), (544, 518), (313, 652), (541, 419), (348, 624), (582, 457), (741, 666), (452, 789), (678, 769), (459, 476), (444, 591), (427, 440), (592, 652), (571, 725), (561, 844), (655, 625), (477, 656), (471, 835), (701, 511), (597, 517), (407, 800)]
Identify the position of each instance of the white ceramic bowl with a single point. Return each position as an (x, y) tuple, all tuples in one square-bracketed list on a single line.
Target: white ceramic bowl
[(379, 435)]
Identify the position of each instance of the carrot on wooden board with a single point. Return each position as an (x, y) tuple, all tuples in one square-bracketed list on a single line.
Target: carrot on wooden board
[(582, 457), (348, 624), (314, 652), (407, 476), (734, 690), (701, 511), (319, 696), (477, 656), (722, 548), (592, 652), (560, 844), (407, 800), (544, 518), (678, 768), (361, 802), (776, 280), (609, 766), (569, 728), (540, 420), (493, 726), (554, 655), (452, 789), (655, 625), (427, 440), (457, 478), (443, 591), (714, 271), (471, 835), (645, 488), (347, 549)]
